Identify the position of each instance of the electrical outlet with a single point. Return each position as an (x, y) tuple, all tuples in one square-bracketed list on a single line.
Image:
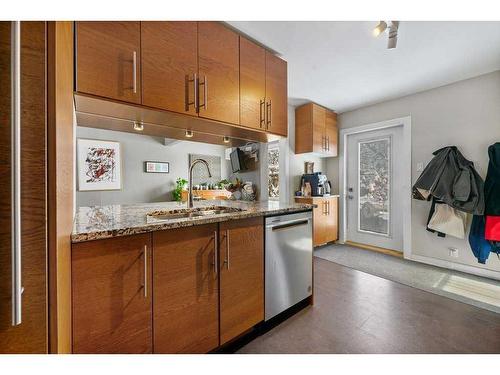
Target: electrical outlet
[(420, 167), (453, 252)]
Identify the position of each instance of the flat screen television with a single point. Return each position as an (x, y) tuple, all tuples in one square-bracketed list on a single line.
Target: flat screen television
[(237, 160)]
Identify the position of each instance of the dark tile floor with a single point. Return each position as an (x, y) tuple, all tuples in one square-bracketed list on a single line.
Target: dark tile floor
[(355, 312)]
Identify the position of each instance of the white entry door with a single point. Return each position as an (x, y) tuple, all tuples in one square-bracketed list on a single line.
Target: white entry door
[(374, 190)]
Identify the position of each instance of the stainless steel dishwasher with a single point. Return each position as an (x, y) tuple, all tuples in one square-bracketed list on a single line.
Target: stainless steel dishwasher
[(289, 250)]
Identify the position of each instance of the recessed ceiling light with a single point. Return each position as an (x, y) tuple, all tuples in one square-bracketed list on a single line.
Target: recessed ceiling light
[(226, 139), (189, 134), (138, 126)]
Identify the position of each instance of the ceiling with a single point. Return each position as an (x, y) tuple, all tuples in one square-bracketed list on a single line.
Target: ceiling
[(341, 65)]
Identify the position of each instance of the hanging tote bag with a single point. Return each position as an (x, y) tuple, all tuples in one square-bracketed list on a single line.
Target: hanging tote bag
[(448, 220)]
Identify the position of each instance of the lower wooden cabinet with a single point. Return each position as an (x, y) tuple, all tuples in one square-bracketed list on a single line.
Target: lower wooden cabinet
[(111, 293), (186, 295), (185, 290), (325, 220), (241, 276)]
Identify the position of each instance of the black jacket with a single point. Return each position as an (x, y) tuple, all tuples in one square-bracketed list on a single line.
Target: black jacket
[(451, 178), (492, 183)]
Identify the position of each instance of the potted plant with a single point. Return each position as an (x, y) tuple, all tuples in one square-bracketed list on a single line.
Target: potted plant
[(180, 185)]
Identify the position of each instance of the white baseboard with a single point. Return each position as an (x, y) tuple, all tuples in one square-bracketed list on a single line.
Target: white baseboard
[(455, 266)]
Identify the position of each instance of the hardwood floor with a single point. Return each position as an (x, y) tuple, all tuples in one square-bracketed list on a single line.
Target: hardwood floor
[(355, 312)]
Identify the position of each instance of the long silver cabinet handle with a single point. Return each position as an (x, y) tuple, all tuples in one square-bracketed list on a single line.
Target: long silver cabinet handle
[(17, 288), (216, 252), (205, 93), (134, 76), (187, 103), (226, 261), (268, 115), (205, 96), (262, 117), (145, 271)]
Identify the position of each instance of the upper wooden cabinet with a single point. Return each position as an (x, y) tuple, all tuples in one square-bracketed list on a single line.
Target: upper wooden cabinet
[(331, 133), (186, 296), (108, 59), (219, 73), (241, 276), (111, 295), (276, 95), (316, 130), (202, 69), (263, 89), (169, 65), (252, 84)]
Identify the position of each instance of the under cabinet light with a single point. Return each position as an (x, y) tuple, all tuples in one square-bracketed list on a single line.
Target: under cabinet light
[(138, 126)]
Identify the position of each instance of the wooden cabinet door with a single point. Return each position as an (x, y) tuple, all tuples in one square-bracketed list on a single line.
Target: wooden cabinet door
[(186, 296), (169, 63), (111, 292), (318, 123), (331, 220), (252, 84), (30, 336), (276, 95), (241, 276), (218, 63), (108, 59), (319, 220), (331, 133)]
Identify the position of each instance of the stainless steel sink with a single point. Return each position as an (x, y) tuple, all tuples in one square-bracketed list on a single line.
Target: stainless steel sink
[(185, 213)]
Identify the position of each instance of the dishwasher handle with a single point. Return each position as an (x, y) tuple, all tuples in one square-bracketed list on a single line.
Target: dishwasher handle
[(289, 224)]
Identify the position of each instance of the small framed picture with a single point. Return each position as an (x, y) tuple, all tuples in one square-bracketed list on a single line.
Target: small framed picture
[(99, 165), (308, 167), (156, 167)]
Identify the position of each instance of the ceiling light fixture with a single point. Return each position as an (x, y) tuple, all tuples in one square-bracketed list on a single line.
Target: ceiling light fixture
[(189, 134), (226, 139), (138, 126), (392, 28), (380, 28), (393, 35)]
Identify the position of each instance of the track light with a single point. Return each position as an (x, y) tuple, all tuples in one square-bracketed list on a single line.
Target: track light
[(189, 134), (226, 139), (138, 126), (393, 35), (380, 28), (392, 28)]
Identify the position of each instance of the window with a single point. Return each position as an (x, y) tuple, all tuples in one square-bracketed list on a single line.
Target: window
[(374, 186), (273, 170)]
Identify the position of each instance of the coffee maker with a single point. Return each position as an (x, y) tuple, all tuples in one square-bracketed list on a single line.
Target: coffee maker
[(320, 185)]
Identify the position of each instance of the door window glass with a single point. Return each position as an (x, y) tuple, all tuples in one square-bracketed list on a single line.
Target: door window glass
[(374, 186)]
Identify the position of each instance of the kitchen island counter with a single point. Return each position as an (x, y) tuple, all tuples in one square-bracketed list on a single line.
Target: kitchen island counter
[(98, 222)]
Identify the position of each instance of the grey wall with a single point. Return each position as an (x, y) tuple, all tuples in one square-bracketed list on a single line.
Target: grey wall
[(465, 114), (138, 186)]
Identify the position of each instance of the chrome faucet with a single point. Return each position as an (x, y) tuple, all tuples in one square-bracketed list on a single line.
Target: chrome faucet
[(190, 191)]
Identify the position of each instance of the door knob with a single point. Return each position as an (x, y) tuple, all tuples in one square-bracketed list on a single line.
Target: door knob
[(350, 190)]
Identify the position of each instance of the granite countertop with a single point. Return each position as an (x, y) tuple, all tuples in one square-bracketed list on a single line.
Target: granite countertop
[(98, 222)]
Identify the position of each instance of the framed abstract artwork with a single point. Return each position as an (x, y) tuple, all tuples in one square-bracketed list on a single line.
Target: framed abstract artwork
[(99, 165)]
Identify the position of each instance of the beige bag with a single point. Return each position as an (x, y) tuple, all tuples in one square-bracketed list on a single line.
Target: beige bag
[(448, 220)]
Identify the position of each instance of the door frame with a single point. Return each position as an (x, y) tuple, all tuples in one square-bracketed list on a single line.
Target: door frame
[(405, 122)]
